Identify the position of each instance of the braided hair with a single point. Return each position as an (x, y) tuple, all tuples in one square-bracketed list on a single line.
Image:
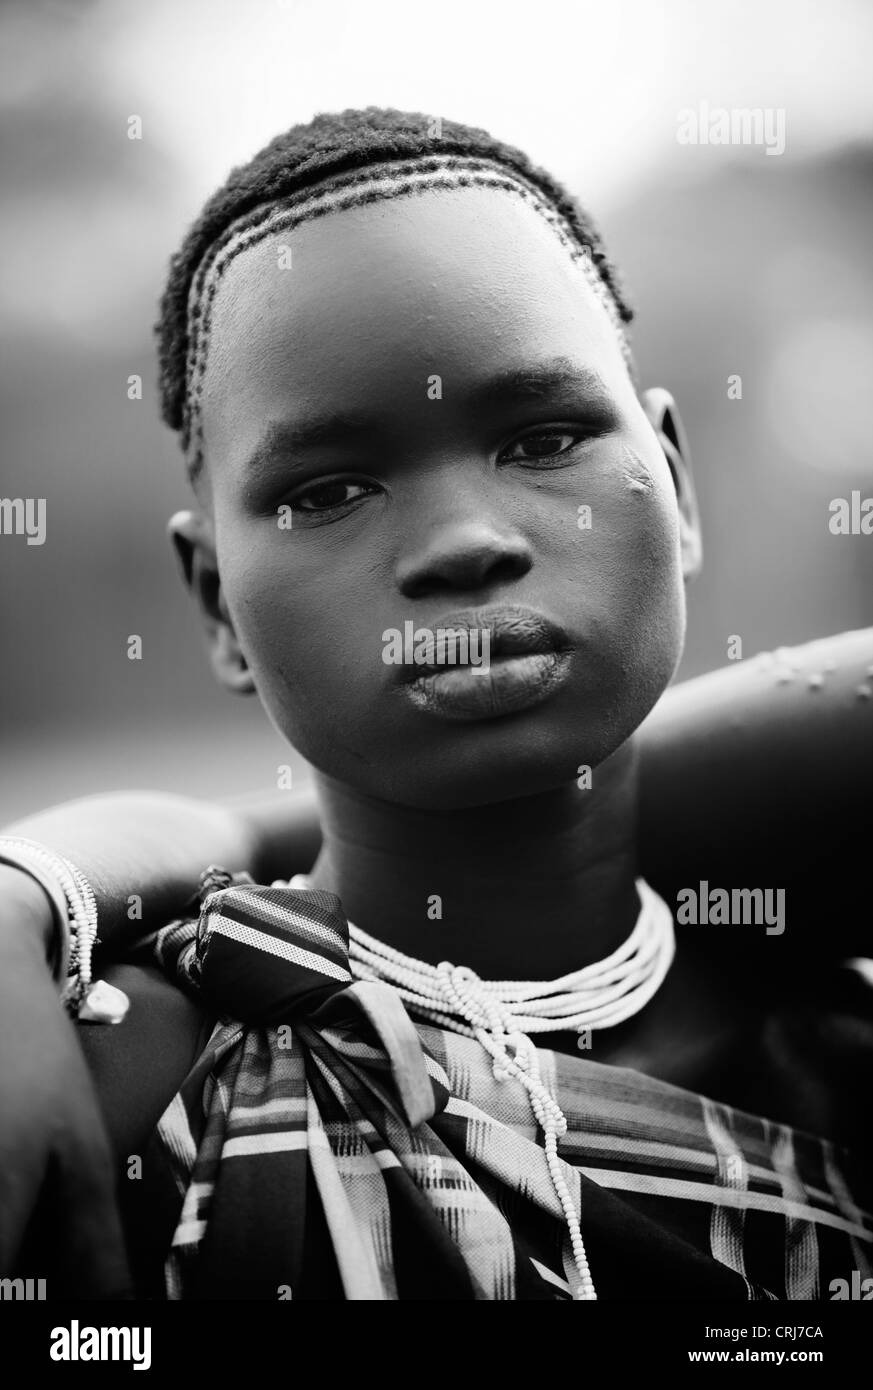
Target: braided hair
[(355, 156)]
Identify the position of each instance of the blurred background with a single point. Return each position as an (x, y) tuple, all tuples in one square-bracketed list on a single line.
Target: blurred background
[(740, 264)]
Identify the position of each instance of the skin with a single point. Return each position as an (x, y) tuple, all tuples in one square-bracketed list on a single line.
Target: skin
[(489, 815), (776, 750), (430, 506)]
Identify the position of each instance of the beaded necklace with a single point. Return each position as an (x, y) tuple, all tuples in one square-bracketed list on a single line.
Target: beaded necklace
[(501, 1015)]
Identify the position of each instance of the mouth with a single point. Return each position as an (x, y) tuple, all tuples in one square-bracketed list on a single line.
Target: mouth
[(510, 659)]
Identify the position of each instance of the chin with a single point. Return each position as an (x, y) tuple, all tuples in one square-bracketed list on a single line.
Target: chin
[(495, 762)]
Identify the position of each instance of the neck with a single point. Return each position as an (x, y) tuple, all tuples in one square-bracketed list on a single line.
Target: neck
[(524, 889)]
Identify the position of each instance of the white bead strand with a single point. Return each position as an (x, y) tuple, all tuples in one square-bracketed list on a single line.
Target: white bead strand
[(502, 1014)]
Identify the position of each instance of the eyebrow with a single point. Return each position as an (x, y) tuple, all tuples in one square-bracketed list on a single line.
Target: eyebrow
[(541, 381), (285, 439)]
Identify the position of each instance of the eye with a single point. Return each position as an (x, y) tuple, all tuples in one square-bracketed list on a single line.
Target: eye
[(330, 496), (545, 445)]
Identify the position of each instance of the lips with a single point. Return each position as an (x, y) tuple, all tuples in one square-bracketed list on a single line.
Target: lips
[(514, 631), (529, 659)]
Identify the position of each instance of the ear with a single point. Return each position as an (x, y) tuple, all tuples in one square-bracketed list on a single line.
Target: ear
[(194, 543), (663, 416)]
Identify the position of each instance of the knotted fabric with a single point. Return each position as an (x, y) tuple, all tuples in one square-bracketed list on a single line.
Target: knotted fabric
[(325, 1146)]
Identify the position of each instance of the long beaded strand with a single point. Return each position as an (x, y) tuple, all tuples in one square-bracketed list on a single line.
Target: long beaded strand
[(454, 997)]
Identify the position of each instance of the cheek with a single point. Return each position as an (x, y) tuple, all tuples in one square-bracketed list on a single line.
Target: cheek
[(312, 634), (311, 643), (649, 579), (624, 566), (618, 520)]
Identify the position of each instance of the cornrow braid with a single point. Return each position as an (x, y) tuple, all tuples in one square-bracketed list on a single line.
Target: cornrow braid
[(338, 161)]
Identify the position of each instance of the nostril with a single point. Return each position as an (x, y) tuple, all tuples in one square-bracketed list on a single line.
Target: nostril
[(509, 567)]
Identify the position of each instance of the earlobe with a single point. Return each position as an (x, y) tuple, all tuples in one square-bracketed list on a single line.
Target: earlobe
[(663, 415), (194, 543)]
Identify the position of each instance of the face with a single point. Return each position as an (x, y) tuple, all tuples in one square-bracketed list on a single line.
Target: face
[(435, 399)]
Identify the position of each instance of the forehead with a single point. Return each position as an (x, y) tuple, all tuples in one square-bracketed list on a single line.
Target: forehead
[(369, 301)]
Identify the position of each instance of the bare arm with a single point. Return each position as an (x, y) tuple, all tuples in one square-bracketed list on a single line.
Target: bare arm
[(766, 762), (143, 852), (743, 763)]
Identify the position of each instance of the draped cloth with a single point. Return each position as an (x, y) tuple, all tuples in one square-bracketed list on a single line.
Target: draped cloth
[(327, 1146)]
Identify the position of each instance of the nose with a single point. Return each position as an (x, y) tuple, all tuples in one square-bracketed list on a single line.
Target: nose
[(466, 553)]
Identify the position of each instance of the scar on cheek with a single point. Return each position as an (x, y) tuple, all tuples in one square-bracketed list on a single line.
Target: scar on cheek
[(634, 473)]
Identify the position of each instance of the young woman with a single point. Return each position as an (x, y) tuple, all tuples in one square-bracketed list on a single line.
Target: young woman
[(399, 367)]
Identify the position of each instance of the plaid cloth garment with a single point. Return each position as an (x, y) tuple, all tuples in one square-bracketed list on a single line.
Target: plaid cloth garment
[(325, 1146)]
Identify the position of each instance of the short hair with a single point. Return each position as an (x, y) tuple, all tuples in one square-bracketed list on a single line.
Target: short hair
[(336, 148)]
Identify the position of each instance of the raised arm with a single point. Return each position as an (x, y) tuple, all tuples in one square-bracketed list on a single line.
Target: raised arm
[(767, 763)]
